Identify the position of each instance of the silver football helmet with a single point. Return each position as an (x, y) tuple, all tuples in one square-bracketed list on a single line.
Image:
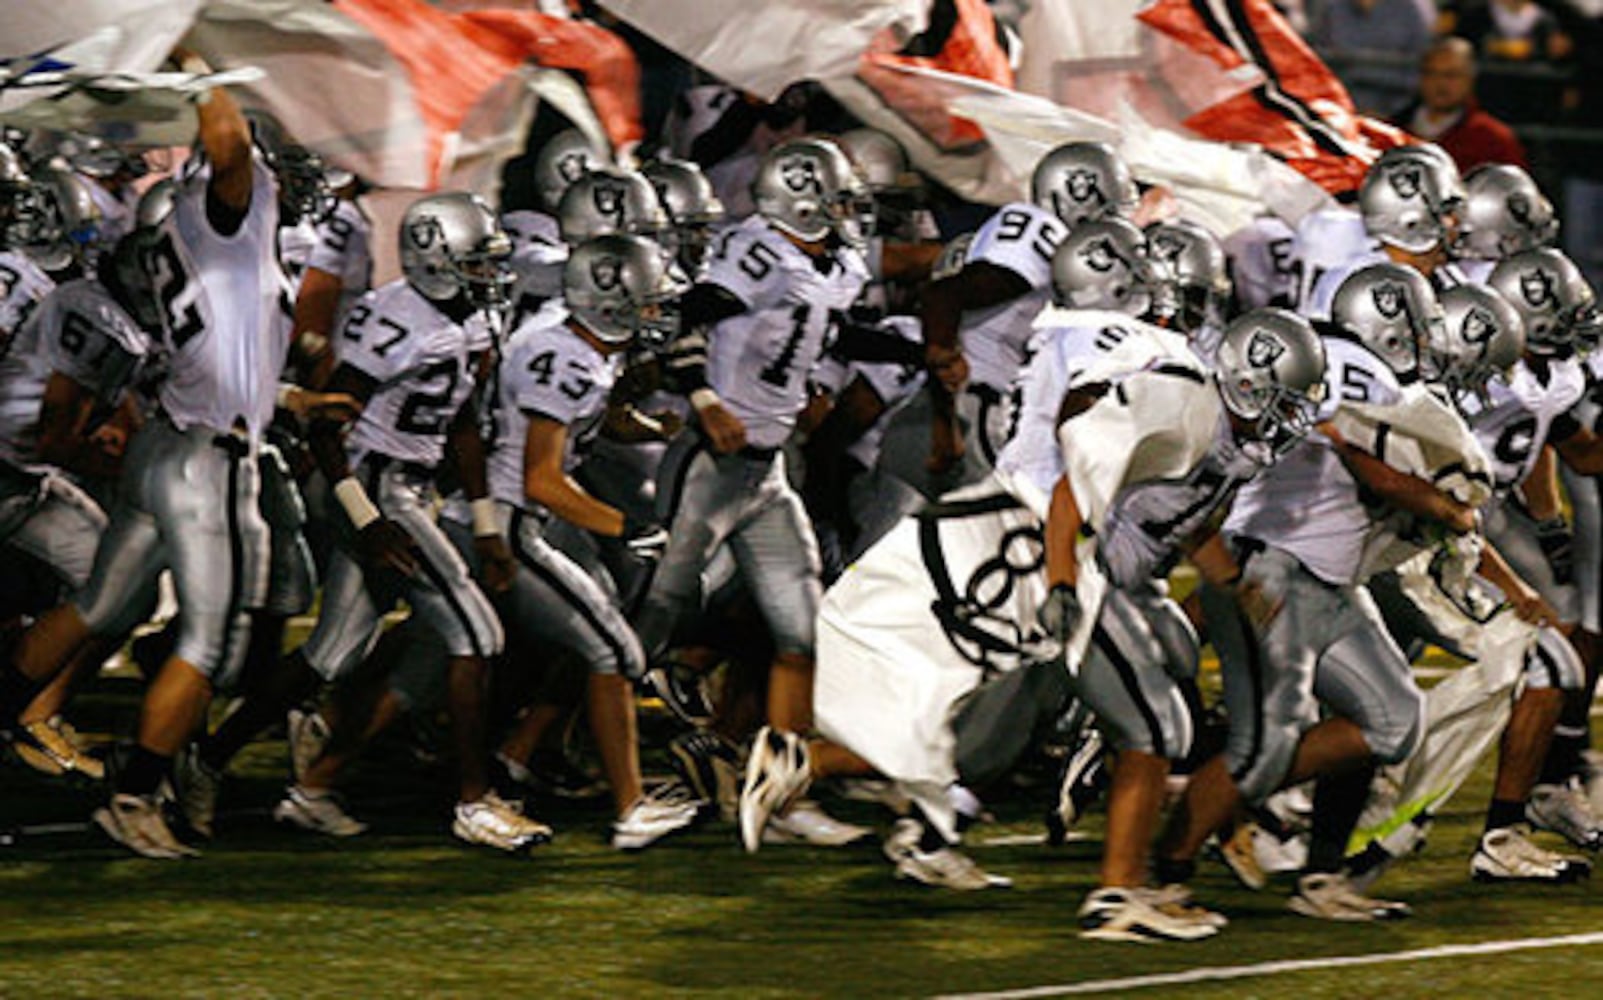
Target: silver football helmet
[(565, 157), (692, 205), (620, 288), (67, 229), (1197, 262), (1391, 309), (1270, 371), (1485, 336), (1104, 265), (1504, 213), (19, 201), (898, 191), (452, 244), (612, 201), (1410, 198), (1083, 181), (1558, 306), (807, 188)]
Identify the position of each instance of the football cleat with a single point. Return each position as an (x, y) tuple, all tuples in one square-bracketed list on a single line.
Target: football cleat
[(664, 810), (1592, 779), (1175, 898), (136, 822), (317, 811), (1082, 782), (807, 823), (1330, 896), (1508, 855), (1240, 854), (553, 773), (948, 868), (709, 765), (197, 788), (685, 693), (777, 773), (1138, 914), (496, 823), (1564, 810), (54, 747), (308, 734)]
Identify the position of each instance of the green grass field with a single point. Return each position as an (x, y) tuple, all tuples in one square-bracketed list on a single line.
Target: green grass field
[(405, 911)]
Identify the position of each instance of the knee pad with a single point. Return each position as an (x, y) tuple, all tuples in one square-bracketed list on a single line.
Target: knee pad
[(1553, 662), (1124, 679), (1260, 768), (1397, 740)]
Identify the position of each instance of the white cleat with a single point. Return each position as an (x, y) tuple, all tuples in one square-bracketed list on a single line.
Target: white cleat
[(1176, 899), (197, 789), (1139, 914), (317, 811), (136, 822), (1564, 810), (54, 747), (655, 815), (1240, 854), (777, 773), (1330, 896), (496, 823), (308, 734), (948, 868), (1508, 855), (807, 823)]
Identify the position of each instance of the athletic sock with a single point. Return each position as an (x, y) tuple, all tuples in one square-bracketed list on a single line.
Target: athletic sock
[(144, 772), (1564, 756), (1173, 870), (1504, 813), (1338, 802)]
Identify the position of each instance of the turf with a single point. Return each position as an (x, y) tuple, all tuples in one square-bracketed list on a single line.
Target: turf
[(404, 911)]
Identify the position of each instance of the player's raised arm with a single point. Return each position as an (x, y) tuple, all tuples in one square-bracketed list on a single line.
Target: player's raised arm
[(225, 136)]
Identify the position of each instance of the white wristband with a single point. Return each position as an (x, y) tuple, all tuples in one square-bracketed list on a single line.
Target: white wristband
[(485, 523), (703, 398), (358, 507)]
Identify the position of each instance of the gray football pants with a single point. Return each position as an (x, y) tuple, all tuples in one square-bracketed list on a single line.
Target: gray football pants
[(50, 518), (744, 501), (442, 592), (1141, 644), (189, 501), (1327, 644)]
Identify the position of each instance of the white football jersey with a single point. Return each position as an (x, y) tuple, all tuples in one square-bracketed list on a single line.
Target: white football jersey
[(538, 258), (1331, 239), (1307, 503), (422, 361), (343, 249), (225, 333), (546, 370), (1262, 256), (1058, 356), (79, 331), (1148, 523), (1020, 238), (759, 361), (22, 285), (1513, 428)]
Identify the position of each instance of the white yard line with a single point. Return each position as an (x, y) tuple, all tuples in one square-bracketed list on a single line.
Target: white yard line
[(1217, 973)]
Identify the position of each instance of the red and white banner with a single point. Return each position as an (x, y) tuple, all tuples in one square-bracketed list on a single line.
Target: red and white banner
[(411, 96)]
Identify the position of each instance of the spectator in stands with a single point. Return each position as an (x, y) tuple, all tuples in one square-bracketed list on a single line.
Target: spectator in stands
[(1514, 30), (1446, 112), (1373, 46)]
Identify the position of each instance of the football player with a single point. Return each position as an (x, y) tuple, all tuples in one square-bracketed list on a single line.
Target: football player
[(189, 500)]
